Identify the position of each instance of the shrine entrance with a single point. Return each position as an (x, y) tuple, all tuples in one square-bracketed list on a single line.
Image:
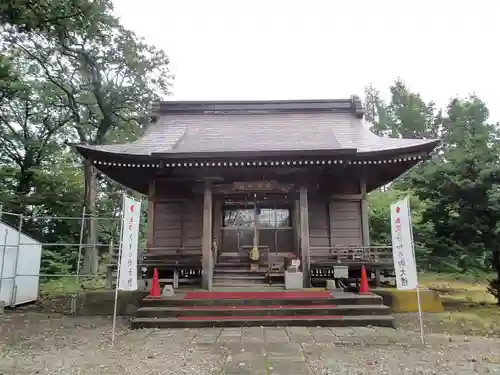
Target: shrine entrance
[(257, 220)]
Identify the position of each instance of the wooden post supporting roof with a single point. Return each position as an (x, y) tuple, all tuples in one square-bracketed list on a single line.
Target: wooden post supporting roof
[(304, 235), (207, 262), (151, 214), (365, 222), (365, 215)]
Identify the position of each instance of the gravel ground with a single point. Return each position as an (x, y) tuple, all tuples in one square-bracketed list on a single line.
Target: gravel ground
[(35, 343)]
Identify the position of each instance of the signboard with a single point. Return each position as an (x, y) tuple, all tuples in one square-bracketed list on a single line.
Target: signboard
[(402, 246), (129, 245), (254, 186)]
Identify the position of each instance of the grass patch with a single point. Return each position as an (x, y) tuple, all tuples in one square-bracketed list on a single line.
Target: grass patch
[(67, 286), (470, 309), (476, 321)]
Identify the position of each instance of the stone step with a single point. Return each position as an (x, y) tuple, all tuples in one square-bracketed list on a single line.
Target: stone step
[(339, 299), (238, 276), (261, 321), (236, 265), (273, 310), (239, 283), (240, 271)]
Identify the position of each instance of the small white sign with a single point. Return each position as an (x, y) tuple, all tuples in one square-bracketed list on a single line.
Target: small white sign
[(341, 272), (129, 245), (296, 263), (402, 246)]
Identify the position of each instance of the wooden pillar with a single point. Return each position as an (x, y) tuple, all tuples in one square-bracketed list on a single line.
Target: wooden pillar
[(304, 235), (151, 214), (296, 226), (365, 225), (331, 216), (217, 235), (207, 262)]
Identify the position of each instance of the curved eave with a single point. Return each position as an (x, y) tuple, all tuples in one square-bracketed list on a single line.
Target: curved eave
[(122, 168), (423, 148), (90, 153), (382, 174)]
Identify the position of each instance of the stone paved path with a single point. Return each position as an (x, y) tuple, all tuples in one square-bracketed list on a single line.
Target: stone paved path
[(38, 344)]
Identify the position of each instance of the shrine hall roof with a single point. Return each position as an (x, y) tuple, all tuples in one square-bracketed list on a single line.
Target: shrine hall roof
[(215, 129)]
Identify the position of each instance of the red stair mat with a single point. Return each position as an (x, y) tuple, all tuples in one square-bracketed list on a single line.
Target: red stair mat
[(256, 307), (259, 295), (266, 317)]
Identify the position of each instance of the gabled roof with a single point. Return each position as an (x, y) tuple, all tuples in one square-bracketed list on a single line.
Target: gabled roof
[(206, 129)]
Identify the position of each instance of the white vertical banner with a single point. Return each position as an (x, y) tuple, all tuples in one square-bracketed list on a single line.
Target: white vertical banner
[(126, 273), (129, 244), (403, 252), (402, 246)]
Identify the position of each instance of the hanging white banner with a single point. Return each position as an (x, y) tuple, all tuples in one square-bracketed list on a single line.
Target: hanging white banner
[(129, 245), (402, 246)]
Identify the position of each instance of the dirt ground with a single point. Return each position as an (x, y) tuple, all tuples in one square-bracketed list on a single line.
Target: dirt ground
[(40, 343)]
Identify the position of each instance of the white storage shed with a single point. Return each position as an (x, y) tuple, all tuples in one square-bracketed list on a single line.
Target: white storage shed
[(20, 257)]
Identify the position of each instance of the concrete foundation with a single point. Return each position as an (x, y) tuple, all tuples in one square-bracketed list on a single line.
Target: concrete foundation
[(401, 301)]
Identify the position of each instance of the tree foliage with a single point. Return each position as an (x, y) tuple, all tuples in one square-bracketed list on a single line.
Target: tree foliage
[(455, 196), (69, 73)]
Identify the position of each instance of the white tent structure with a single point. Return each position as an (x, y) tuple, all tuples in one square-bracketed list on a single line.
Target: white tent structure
[(20, 257)]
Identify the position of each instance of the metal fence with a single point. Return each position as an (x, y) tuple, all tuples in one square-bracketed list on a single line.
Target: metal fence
[(18, 252)]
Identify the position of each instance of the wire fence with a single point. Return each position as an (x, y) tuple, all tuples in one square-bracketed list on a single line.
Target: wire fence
[(29, 259)]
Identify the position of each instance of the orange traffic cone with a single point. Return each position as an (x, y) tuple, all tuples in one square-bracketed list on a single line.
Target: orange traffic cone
[(363, 285), (155, 287)]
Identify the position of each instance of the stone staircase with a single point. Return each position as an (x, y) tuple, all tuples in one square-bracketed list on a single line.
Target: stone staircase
[(262, 308), (233, 270)]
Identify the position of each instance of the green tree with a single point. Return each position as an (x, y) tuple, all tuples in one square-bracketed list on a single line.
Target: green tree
[(109, 78), (461, 186)]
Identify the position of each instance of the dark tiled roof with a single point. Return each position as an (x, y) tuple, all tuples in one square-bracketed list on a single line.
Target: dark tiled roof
[(206, 127)]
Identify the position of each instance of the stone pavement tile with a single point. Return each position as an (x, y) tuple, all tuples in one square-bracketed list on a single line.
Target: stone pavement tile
[(299, 334), (287, 367), (343, 331), (209, 331), (184, 336), (313, 351), (324, 334), (284, 351), (204, 339), (252, 334), (244, 368), (231, 332), (276, 334), (215, 349), (206, 336), (370, 335), (245, 359), (390, 333), (229, 335), (245, 352)]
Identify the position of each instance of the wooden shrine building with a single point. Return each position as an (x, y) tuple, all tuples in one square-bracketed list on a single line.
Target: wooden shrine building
[(283, 176)]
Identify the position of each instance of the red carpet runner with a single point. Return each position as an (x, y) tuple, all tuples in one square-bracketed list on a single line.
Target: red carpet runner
[(260, 295)]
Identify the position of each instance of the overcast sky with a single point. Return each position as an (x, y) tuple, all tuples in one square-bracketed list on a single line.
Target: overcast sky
[(287, 49)]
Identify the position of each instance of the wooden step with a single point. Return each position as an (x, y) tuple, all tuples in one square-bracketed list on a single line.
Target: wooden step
[(228, 271), (261, 321), (279, 298), (237, 276), (272, 310)]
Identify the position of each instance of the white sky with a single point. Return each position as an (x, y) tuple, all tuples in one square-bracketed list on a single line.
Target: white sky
[(288, 49)]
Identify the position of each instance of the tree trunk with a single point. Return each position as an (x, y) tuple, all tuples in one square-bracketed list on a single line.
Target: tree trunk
[(91, 253), (496, 267)]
